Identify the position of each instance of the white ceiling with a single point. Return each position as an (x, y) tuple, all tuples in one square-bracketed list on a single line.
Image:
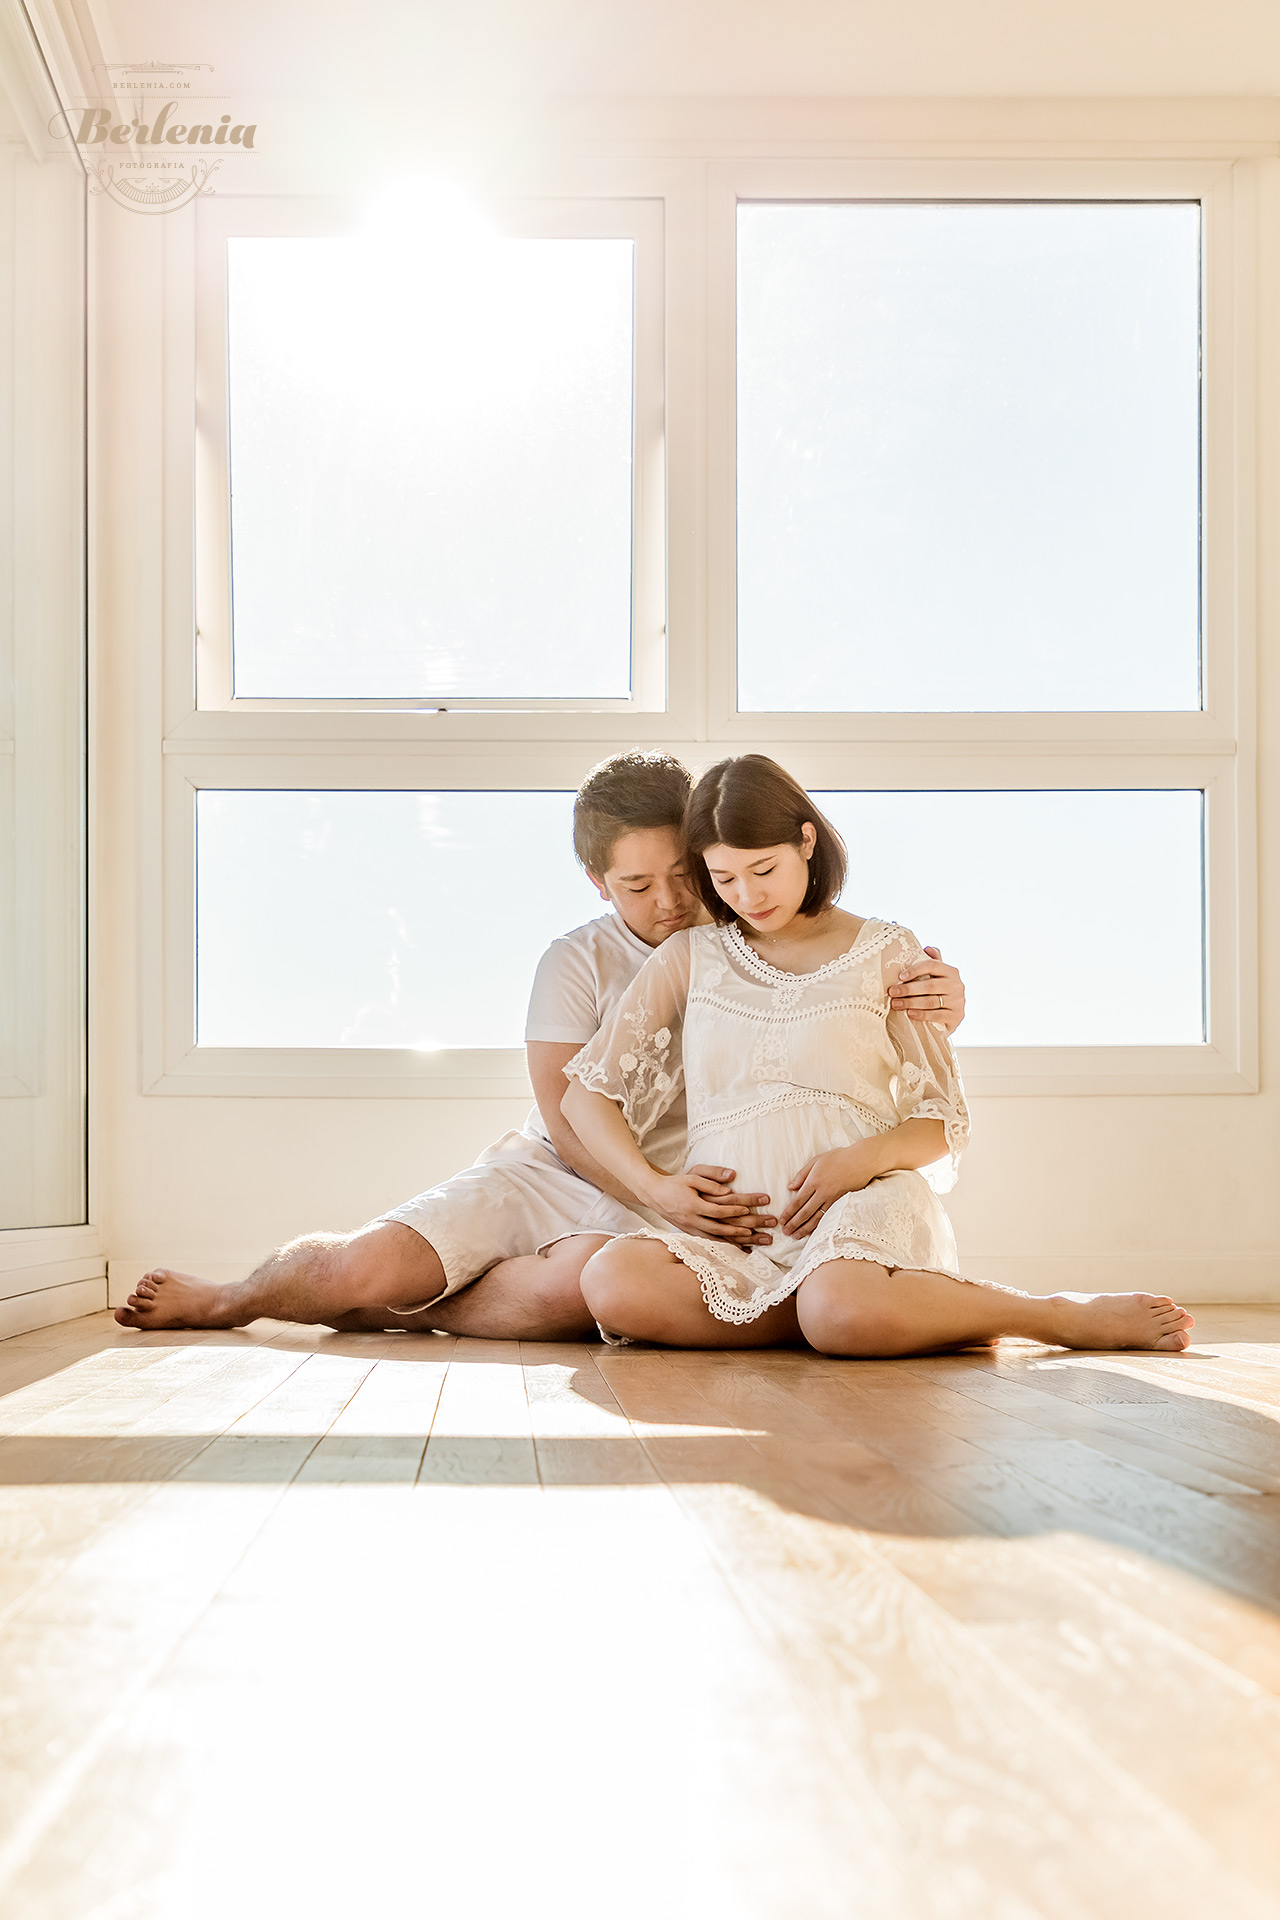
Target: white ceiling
[(421, 48)]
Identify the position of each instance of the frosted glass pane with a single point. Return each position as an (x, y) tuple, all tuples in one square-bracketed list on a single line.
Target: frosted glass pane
[(378, 919), (968, 457), (431, 469), (1075, 918)]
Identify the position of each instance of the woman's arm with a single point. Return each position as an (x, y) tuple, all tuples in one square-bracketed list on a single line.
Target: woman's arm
[(911, 1144), (547, 1061), (693, 1201)]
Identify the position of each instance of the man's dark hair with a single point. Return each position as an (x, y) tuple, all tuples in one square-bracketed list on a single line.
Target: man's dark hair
[(627, 793), (753, 802)]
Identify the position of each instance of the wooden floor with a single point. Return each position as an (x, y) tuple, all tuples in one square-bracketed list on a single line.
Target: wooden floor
[(301, 1624)]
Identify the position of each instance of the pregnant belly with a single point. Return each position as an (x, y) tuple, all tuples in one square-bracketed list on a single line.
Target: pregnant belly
[(768, 1151)]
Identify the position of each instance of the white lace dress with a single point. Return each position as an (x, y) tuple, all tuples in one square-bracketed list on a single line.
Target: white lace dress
[(778, 1067)]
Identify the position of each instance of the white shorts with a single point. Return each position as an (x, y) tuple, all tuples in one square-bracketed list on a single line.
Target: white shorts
[(519, 1197)]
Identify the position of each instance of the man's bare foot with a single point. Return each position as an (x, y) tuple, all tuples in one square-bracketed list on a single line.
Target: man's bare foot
[(167, 1299), (1113, 1322)]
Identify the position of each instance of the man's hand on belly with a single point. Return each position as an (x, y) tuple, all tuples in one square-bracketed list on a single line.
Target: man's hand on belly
[(824, 1180), (702, 1200)]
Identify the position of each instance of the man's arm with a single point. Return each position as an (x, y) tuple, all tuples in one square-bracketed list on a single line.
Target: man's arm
[(737, 1218), (930, 990)]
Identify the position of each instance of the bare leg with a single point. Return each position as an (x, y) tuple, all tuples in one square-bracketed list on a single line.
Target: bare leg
[(375, 1280), (537, 1296), (856, 1308), (639, 1288), (318, 1279)]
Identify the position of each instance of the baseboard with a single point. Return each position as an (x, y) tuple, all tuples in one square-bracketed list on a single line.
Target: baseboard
[(49, 1306), (1249, 1278)]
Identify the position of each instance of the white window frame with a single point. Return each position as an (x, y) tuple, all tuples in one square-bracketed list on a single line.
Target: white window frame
[(637, 220), (354, 744)]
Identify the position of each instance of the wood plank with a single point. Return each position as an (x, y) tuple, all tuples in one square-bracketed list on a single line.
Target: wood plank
[(381, 1434), (924, 1714), (89, 1638), (581, 1436), (482, 1435), (1242, 1636), (1198, 1736)]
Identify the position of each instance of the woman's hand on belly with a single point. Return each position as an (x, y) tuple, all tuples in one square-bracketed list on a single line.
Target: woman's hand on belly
[(702, 1200), (824, 1180)]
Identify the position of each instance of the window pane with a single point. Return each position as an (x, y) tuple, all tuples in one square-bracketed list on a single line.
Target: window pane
[(968, 457), (378, 919), (1075, 918), (431, 469)]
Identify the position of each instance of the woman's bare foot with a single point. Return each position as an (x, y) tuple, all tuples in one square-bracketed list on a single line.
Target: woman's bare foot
[(164, 1298), (1112, 1322)]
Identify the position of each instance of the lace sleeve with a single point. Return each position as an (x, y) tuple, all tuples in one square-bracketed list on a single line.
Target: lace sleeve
[(635, 1058), (927, 1084)]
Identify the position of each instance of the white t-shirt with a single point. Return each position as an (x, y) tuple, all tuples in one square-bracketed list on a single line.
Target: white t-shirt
[(580, 980)]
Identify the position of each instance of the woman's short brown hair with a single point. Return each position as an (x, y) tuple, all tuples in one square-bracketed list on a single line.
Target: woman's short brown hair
[(751, 801), (627, 793)]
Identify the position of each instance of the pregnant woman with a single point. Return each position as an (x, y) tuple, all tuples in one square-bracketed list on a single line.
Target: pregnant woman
[(775, 1021)]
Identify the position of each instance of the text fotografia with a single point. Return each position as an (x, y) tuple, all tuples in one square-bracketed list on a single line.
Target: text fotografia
[(98, 129)]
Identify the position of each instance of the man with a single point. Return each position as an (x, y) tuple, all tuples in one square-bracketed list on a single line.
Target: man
[(496, 1252)]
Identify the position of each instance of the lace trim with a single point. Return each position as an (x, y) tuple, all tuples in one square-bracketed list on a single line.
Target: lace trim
[(739, 1313), (965, 1279), (954, 1125), (855, 1003), (593, 1076), (776, 976), (719, 1304), (791, 1097)]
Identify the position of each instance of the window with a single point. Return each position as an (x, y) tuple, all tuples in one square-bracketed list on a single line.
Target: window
[(1084, 880), (930, 478), (431, 468), (968, 456), (358, 890), (431, 454)]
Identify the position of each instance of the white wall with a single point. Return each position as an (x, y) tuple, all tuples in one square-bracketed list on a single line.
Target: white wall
[(1178, 1191)]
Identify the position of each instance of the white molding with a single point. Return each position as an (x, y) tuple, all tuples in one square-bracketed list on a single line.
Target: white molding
[(69, 1299), (24, 81), (29, 1249), (346, 1073), (76, 43), (932, 127), (49, 1274)]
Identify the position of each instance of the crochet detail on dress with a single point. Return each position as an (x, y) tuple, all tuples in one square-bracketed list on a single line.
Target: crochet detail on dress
[(639, 1081), (738, 1311), (789, 1016), (954, 1125), (737, 1305), (789, 1097), (779, 977)]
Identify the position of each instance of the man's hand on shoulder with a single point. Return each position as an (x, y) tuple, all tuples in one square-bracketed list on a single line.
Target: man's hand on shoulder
[(929, 990)]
